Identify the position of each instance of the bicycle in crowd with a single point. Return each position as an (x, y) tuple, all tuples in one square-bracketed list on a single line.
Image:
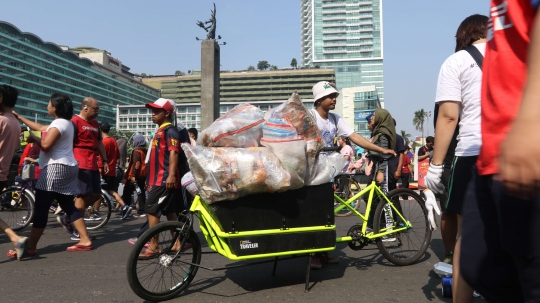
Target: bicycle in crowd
[(302, 223), (17, 204)]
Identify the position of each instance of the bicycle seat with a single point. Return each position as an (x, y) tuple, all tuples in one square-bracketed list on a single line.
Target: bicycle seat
[(378, 157)]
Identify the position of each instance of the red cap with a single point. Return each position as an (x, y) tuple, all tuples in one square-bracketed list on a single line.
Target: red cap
[(161, 103)]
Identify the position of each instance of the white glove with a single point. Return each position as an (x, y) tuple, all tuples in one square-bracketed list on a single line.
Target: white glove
[(431, 204), (433, 179)]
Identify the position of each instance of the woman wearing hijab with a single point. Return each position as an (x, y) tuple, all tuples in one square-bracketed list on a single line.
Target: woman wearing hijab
[(136, 174)]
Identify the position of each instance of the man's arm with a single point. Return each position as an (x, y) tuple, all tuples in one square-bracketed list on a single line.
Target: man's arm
[(446, 125), (397, 174), (103, 154), (173, 164), (519, 167), (364, 143)]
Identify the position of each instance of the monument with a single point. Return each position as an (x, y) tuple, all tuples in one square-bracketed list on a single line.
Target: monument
[(209, 72)]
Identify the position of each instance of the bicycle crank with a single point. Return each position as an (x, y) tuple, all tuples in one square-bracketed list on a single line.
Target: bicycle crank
[(358, 240)]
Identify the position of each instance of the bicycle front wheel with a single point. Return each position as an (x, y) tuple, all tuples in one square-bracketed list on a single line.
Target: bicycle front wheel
[(16, 208), (408, 246), (160, 272), (97, 217)]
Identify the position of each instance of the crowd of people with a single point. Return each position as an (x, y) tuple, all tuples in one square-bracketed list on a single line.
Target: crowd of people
[(75, 153)]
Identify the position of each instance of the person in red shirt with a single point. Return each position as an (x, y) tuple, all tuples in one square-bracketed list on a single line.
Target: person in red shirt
[(500, 254), (111, 182), (86, 147), (405, 170), (163, 175)]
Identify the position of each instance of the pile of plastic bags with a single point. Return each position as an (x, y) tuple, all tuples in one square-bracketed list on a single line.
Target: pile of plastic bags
[(246, 152)]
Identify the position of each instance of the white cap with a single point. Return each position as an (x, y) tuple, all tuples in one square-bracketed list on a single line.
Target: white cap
[(323, 89)]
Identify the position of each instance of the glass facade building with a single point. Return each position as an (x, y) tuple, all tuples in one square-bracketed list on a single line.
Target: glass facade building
[(38, 69), (347, 36)]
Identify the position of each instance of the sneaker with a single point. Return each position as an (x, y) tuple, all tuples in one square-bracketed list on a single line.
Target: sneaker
[(65, 224), (58, 210), (139, 215), (315, 263), (448, 257), (126, 211), (92, 217), (369, 230), (52, 209), (388, 239), (75, 236)]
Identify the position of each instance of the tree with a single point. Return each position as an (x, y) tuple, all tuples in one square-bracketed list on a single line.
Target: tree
[(189, 72), (317, 66), (251, 68), (418, 121), (179, 73), (273, 67), (143, 75), (294, 64), (263, 65), (406, 137)]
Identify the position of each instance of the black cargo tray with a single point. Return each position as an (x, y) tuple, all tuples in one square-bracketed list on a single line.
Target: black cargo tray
[(304, 207)]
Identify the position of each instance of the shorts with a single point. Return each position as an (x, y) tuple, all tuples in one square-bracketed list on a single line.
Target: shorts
[(111, 183), (500, 246), (89, 182), (162, 199), (462, 168), (443, 198)]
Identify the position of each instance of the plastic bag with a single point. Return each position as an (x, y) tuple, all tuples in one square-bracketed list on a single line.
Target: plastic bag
[(277, 129), (239, 127), (223, 173), (189, 184), (294, 112), (292, 155), (328, 169)]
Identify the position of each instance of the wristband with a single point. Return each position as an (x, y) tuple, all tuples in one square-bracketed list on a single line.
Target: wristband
[(105, 161), (436, 164)]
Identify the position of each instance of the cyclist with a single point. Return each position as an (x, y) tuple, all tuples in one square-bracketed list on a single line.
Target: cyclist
[(111, 150), (331, 126), (458, 96), (9, 143)]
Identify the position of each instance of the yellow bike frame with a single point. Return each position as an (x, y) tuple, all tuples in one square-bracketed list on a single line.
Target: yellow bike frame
[(372, 188)]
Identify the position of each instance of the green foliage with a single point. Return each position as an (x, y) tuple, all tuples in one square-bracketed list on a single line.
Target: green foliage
[(179, 73), (418, 121), (406, 137), (294, 63), (273, 67), (263, 65), (251, 68), (143, 75)]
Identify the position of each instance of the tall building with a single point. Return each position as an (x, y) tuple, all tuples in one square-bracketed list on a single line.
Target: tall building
[(265, 89), (347, 36), (354, 104), (38, 69)]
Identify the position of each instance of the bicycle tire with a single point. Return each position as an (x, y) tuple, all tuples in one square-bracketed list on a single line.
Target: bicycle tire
[(406, 247), (16, 208), (140, 273), (353, 189), (105, 210)]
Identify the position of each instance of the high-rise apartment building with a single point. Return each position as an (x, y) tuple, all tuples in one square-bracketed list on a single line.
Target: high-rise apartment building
[(347, 36)]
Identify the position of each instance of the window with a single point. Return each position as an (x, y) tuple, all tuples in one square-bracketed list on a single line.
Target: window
[(133, 111)]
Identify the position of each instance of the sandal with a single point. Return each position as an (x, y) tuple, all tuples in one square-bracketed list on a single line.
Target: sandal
[(148, 254), (79, 247), (12, 253), (22, 247)]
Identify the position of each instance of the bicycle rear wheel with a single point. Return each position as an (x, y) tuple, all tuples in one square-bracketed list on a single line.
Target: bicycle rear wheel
[(162, 276), (346, 192), (408, 246), (97, 218), (16, 208)]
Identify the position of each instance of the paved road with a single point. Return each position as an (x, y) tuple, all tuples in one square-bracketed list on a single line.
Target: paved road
[(99, 275)]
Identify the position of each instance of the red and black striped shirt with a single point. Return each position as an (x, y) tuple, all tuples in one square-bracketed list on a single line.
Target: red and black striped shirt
[(165, 140)]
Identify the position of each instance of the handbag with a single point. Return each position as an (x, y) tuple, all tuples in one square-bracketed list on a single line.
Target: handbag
[(28, 172)]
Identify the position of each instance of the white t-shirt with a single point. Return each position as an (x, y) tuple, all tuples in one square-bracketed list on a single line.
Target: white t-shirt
[(328, 128), (62, 151), (460, 79)]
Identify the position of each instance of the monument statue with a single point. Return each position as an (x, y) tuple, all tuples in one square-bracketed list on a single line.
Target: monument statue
[(211, 29)]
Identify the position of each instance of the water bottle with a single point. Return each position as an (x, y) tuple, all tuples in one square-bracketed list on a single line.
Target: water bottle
[(137, 188)]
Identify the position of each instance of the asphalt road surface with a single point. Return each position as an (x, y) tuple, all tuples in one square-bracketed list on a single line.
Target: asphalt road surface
[(56, 275)]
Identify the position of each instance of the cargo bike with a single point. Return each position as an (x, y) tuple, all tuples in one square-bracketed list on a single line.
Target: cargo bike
[(277, 226)]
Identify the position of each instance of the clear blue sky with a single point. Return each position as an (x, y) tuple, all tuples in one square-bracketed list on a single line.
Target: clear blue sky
[(158, 36)]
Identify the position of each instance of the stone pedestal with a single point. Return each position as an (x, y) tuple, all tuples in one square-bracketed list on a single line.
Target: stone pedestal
[(209, 82)]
